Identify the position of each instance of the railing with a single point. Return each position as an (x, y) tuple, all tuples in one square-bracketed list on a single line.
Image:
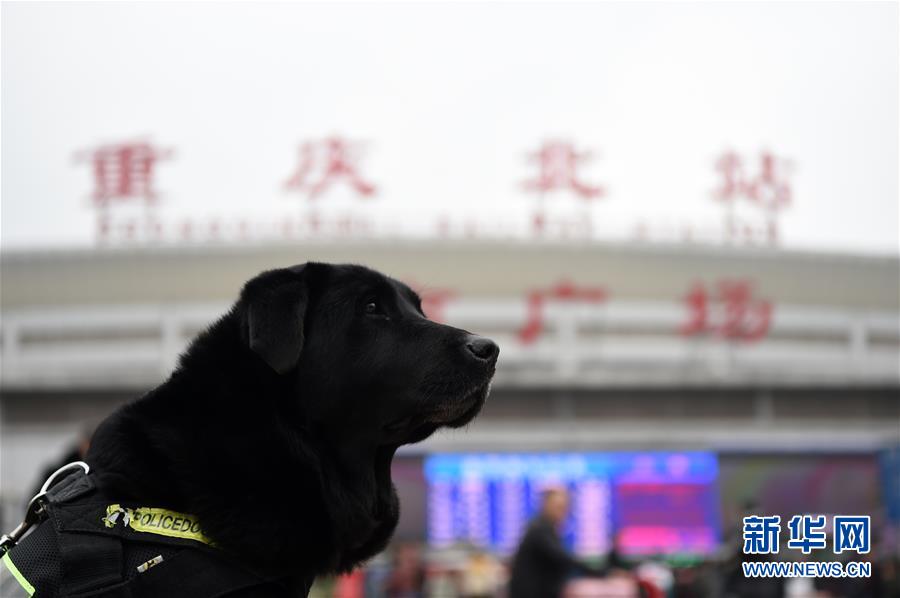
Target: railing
[(579, 345)]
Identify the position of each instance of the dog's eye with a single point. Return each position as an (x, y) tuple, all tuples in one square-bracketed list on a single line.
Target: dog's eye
[(373, 307)]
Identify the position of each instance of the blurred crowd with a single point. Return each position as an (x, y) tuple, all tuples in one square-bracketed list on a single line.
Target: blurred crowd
[(542, 568), (410, 570)]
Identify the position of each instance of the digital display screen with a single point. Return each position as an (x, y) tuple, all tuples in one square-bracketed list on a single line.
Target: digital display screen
[(648, 503)]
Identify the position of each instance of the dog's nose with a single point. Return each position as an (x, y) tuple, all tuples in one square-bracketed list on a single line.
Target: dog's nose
[(483, 348)]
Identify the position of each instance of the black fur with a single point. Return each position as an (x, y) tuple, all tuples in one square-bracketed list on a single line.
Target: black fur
[(278, 427)]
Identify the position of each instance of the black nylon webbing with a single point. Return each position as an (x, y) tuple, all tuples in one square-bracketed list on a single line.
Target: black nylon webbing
[(189, 574), (89, 562)]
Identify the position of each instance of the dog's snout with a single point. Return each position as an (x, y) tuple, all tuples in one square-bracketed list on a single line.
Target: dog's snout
[(482, 348)]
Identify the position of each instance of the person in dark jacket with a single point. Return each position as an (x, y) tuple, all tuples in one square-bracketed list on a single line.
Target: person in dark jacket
[(542, 564)]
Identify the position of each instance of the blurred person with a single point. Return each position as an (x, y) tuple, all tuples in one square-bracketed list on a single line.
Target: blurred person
[(378, 571), (733, 581), (688, 583), (407, 577), (656, 578), (482, 575), (615, 560), (852, 587), (443, 578), (542, 564), (737, 585), (350, 585), (890, 577), (799, 587)]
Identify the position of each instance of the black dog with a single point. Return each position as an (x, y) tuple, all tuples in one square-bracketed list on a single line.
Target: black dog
[(278, 427)]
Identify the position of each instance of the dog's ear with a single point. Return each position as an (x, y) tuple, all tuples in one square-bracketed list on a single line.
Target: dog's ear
[(275, 307)]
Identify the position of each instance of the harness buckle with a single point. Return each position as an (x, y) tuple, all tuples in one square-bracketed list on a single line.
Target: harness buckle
[(35, 511)]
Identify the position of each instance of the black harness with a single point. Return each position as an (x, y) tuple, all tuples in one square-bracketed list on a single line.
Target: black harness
[(84, 545)]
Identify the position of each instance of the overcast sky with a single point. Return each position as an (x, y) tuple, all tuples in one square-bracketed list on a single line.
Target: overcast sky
[(448, 100)]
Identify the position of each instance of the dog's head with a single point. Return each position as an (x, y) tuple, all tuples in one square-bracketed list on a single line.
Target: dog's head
[(342, 367), (361, 354)]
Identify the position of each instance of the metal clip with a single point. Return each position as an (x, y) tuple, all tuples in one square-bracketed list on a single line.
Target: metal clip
[(35, 510), (33, 514)]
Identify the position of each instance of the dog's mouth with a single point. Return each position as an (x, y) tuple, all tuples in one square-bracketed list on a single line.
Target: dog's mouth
[(451, 412), (458, 412)]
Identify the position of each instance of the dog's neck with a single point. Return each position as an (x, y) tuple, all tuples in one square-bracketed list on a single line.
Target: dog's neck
[(262, 482)]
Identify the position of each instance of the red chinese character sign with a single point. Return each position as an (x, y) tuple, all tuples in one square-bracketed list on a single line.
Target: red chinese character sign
[(730, 311), (324, 163), (325, 166), (563, 291), (753, 193), (765, 187), (124, 173), (558, 170)]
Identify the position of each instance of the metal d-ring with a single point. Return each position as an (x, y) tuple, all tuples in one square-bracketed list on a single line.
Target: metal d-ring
[(52, 478)]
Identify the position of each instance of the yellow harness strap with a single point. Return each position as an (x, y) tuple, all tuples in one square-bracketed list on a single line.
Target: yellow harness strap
[(162, 522), (17, 575)]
